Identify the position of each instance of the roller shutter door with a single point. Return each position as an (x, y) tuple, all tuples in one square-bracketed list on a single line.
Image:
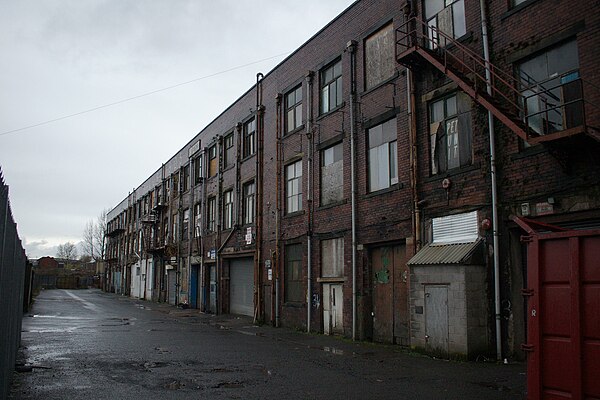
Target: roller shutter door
[(241, 280)]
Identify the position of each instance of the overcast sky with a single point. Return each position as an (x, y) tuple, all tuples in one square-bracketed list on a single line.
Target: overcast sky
[(59, 58)]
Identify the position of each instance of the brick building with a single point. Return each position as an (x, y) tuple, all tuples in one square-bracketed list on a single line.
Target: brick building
[(357, 195)]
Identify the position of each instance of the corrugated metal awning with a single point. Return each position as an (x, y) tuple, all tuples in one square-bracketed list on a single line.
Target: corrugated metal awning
[(449, 253)]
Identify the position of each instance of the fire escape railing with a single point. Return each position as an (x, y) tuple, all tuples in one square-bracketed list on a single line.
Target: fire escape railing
[(510, 96)]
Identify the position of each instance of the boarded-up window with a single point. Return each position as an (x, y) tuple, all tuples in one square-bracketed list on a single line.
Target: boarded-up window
[(383, 156), (450, 130), (213, 162), (293, 291), (332, 258), (379, 56), (332, 174)]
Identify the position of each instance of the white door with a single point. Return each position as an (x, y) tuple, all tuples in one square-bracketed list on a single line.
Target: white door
[(436, 318), (333, 311)]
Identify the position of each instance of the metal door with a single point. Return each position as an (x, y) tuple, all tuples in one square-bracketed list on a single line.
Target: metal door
[(390, 294), (241, 284), (194, 276), (436, 318), (172, 277), (562, 313), (333, 308), (212, 302)]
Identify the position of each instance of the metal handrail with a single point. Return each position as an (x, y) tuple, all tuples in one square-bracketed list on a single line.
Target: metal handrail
[(411, 33), (415, 33)]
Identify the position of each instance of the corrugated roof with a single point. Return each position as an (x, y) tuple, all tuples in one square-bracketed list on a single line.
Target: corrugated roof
[(445, 253)]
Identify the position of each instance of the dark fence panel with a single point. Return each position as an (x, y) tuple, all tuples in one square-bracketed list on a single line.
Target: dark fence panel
[(13, 268)]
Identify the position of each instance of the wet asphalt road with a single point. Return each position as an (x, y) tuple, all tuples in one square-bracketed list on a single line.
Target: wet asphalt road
[(86, 344)]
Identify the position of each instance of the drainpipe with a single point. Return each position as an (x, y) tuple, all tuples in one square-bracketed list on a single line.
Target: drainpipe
[(278, 131), (486, 55), (412, 129), (351, 47), (259, 197), (309, 203)]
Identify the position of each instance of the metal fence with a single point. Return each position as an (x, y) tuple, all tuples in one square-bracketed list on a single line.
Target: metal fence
[(13, 268)]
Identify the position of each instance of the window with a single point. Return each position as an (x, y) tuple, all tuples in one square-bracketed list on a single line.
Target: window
[(446, 17), (249, 133), (213, 162), (293, 285), (229, 150), (175, 184), (166, 237), (211, 215), (293, 109), (552, 89), (228, 209), (248, 208), (186, 178), (331, 87), (450, 130), (175, 223), (186, 224), (379, 56), (293, 192), (332, 258), (198, 170), (332, 174), (198, 220), (383, 156)]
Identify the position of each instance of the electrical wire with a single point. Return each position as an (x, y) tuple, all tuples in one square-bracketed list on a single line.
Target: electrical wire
[(139, 96)]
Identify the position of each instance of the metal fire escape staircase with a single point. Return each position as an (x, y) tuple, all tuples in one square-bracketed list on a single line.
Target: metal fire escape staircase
[(418, 44)]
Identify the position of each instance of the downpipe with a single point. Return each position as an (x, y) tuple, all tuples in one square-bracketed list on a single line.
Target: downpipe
[(309, 204), (351, 47), (492, 138)]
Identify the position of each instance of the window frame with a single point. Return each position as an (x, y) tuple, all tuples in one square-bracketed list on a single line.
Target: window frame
[(228, 209), (294, 108), (228, 150), (249, 138), (249, 203), (186, 224), (293, 198), (325, 85), (451, 115), (198, 170), (327, 189), (386, 150), (211, 214), (434, 38)]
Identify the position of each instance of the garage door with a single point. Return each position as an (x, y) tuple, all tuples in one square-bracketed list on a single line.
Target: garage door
[(241, 281)]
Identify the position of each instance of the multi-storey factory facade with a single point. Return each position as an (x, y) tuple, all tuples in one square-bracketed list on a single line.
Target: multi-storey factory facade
[(353, 189)]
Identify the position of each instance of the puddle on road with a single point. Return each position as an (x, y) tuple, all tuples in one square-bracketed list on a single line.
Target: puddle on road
[(333, 350), (61, 317)]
